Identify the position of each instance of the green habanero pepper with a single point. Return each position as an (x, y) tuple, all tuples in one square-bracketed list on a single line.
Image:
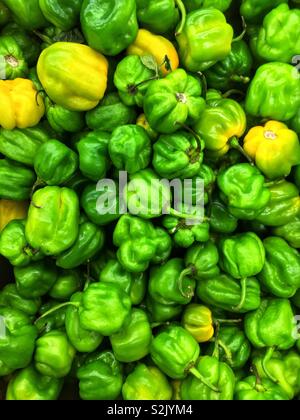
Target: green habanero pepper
[(274, 92), (53, 218), (16, 181), (149, 13), (146, 383), (254, 10), (281, 272), (105, 308), (202, 260), (10, 297), (161, 312), (14, 61), (29, 385), (27, 13), (64, 14), (222, 5), (52, 316), (221, 221), (173, 101), (68, 282), (100, 377), (109, 27), (251, 389), (63, 120), (132, 343), (18, 342), (130, 148), (54, 354), (290, 232)]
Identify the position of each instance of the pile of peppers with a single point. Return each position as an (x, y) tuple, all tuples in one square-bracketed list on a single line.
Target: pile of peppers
[(147, 306)]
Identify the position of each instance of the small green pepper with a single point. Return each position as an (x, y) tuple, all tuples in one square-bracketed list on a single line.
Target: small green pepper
[(63, 120), (149, 13), (161, 312), (263, 390), (202, 260), (290, 232), (10, 297), (14, 61), (67, 283), (16, 181), (62, 14)]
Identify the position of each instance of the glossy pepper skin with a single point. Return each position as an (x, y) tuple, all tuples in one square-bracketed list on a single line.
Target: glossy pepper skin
[(161, 312), (274, 92), (243, 190), (178, 155), (109, 27), (206, 38), (274, 148), (281, 272), (12, 210), (249, 390), (234, 70), (10, 297), (175, 351), (272, 324), (27, 14), (185, 235), (173, 101), (222, 121), (18, 343), (134, 284), (55, 163), (146, 383), (130, 148), (29, 385), (89, 242), (105, 308), (289, 232), (53, 218), (63, 120), (51, 321), (283, 206), (22, 145), (83, 340), (225, 292), (278, 38), (16, 181), (62, 14), (254, 10), (221, 221), (15, 64), (21, 106), (217, 373), (110, 114), (132, 343), (202, 260), (100, 377), (82, 85), (140, 243), (149, 15), (54, 354), (68, 282), (197, 320)]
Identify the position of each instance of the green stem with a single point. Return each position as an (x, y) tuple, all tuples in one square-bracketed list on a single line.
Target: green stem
[(240, 79), (227, 321), (180, 215), (132, 89), (56, 308), (189, 293), (243, 294), (241, 36), (267, 357), (204, 84), (44, 38), (227, 351), (182, 9), (196, 135), (198, 375), (270, 184), (234, 143), (38, 183)]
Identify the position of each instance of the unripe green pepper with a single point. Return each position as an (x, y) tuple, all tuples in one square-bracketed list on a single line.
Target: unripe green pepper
[(184, 235), (10, 297), (67, 283), (250, 389), (290, 232), (63, 14), (27, 14), (254, 10), (162, 312), (149, 14), (146, 383), (202, 260), (52, 316), (16, 181), (14, 64), (63, 120), (221, 221)]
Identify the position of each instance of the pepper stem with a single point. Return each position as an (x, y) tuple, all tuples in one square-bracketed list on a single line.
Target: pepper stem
[(204, 84), (44, 37), (182, 10), (180, 215), (198, 375), (240, 78), (233, 92), (196, 135), (241, 36), (189, 293), (228, 321), (56, 308), (227, 351), (234, 143), (243, 294), (267, 357)]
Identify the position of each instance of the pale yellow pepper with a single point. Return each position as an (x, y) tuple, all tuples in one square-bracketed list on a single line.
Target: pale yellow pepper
[(197, 320)]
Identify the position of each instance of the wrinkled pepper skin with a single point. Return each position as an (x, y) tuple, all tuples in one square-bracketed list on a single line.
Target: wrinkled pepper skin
[(243, 190), (21, 106), (254, 10), (63, 120), (130, 148), (175, 351), (173, 101), (278, 38), (197, 320), (12, 210), (67, 283), (205, 39), (146, 383), (16, 181), (105, 308), (221, 221), (53, 218), (53, 321), (281, 272), (54, 354), (14, 60), (55, 163), (83, 340), (217, 373), (10, 297), (110, 114), (132, 343), (73, 75), (22, 145), (289, 232), (89, 242), (234, 70), (149, 15), (109, 27), (140, 243), (225, 292), (36, 279), (249, 390), (272, 324), (203, 259), (27, 13), (17, 345), (222, 5), (274, 92), (64, 14), (185, 235), (100, 377), (160, 312), (274, 148), (29, 385)]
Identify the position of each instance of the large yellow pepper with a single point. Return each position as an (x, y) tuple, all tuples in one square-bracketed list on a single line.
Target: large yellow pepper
[(20, 104), (73, 75), (159, 47), (274, 148), (12, 210)]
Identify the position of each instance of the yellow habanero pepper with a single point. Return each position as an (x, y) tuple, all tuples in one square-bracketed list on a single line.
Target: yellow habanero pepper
[(274, 148), (197, 320), (73, 75), (21, 106), (159, 47), (12, 210)]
